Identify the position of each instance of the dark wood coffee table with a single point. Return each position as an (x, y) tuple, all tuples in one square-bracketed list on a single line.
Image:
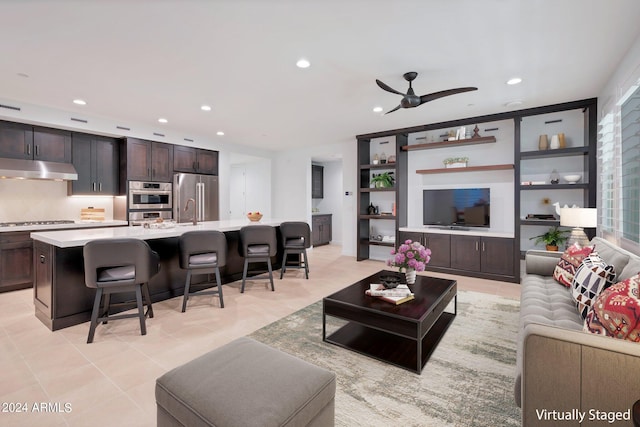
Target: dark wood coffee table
[(404, 335)]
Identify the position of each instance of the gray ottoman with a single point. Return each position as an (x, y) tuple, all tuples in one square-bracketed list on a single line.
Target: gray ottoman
[(246, 383)]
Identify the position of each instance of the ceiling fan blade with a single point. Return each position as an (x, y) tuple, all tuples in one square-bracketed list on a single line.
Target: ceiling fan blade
[(387, 88), (443, 93), (391, 111)]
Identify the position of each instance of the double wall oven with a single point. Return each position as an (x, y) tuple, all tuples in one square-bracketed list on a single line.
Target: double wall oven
[(149, 200)]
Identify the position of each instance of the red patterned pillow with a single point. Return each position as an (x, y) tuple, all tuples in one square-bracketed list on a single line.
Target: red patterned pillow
[(616, 312), (569, 263)]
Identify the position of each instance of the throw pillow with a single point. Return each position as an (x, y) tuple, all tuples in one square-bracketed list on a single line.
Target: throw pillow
[(569, 263), (591, 278), (616, 311)]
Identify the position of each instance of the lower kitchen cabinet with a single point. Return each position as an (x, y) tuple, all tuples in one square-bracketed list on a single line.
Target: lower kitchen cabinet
[(321, 229), (16, 265)]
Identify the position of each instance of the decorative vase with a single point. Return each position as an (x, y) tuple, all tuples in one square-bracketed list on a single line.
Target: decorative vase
[(562, 140), (410, 275), (543, 142), (555, 142)]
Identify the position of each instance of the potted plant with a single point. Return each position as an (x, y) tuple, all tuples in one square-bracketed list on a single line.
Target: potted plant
[(383, 180), (456, 162), (553, 238)]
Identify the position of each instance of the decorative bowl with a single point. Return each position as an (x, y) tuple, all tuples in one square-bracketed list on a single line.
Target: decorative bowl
[(254, 216), (572, 179), (389, 281)]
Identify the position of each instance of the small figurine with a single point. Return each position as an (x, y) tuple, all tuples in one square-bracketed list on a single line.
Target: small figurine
[(476, 133)]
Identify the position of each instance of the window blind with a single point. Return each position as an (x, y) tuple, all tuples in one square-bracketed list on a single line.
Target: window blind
[(630, 167)]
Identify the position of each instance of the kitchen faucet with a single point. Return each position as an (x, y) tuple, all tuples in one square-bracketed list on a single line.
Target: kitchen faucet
[(195, 210)]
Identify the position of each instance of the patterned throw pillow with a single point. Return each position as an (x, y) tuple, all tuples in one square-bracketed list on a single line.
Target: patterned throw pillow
[(616, 312), (591, 278), (569, 263)]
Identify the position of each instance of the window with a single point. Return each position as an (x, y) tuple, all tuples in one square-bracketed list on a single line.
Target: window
[(619, 172)]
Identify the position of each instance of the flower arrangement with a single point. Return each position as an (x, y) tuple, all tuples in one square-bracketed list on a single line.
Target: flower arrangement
[(410, 256)]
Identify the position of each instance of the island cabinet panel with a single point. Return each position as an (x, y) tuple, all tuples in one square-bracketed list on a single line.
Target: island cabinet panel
[(43, 284), (16, 266)]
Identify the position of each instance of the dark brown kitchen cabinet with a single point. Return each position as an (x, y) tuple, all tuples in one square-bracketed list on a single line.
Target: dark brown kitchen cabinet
[(321, 229), (317, 182), (53, 145), (16, 141), (96, 161), (16, 266), (19, 141), (143, 160), (195, 160)]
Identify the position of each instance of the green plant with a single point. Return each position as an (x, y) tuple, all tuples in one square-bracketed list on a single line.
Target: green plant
[(385, 180), (553, 237), (450, 160)]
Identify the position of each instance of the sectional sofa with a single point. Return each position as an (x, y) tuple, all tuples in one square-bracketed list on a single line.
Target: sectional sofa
[(564, 373)]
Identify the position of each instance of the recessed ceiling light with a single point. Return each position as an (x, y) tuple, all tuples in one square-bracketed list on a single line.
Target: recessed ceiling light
[(205, 108), (303, 63), (79, 102), (514, 81), (23, 75), (513, 103), (161, 120), (377, 109), (220, 133)]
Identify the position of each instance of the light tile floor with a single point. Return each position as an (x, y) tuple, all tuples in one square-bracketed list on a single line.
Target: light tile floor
[(111, 382)]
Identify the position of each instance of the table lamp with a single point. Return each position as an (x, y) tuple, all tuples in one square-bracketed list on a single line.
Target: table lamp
[(578, 218)]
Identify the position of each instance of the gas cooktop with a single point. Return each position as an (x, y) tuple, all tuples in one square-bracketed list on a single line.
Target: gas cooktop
[(28, 223)]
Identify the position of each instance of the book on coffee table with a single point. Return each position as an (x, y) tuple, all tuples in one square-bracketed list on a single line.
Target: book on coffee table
[(395, 296)]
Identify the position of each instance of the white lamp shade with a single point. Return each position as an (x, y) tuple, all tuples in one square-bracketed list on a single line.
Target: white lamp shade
[(579, 217)]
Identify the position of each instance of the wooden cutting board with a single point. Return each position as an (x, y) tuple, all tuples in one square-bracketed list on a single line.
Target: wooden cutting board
[(92, 214)]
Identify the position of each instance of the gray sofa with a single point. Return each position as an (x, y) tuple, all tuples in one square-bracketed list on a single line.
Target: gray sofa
[(561, 368)]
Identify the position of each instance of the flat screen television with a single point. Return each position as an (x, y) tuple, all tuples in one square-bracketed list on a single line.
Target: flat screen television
[(456, 207)]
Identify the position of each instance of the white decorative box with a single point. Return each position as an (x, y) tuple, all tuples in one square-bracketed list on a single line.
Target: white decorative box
[(456, 165)]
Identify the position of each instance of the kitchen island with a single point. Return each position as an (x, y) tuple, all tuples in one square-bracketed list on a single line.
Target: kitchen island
[(61, 297)]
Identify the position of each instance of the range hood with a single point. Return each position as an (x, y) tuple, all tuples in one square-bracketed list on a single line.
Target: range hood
[(37, 169)]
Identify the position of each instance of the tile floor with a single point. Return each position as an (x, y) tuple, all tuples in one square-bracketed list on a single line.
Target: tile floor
[(111, 382)]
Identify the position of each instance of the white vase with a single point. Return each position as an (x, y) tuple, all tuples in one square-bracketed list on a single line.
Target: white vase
[(555, 142), (410, 276)]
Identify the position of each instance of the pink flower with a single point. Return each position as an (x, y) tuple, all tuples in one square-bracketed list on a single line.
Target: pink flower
[(410, 255)]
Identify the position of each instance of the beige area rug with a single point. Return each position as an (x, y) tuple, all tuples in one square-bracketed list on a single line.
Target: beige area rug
[(468, 381)]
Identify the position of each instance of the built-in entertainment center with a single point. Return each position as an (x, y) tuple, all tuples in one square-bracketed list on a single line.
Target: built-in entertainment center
[(477, 200)]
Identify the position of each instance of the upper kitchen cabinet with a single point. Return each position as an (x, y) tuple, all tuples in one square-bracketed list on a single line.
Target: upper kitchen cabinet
[(96, 161), (146, 161), (195, 160), (19, 141), (317, 182)]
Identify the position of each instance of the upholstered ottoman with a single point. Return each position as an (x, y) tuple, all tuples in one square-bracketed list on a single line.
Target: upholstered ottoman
[(246, 383)]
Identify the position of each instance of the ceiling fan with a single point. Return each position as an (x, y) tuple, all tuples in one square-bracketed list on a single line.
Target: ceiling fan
[(410, 99)]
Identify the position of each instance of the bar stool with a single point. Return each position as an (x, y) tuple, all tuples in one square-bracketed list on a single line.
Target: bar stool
[(296, 238), (116, 266), (258, 243), (202, 252)]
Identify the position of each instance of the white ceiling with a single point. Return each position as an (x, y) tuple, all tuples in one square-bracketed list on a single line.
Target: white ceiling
[(135, 61)]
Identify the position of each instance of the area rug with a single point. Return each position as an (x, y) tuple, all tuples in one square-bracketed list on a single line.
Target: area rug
[(468, 381)]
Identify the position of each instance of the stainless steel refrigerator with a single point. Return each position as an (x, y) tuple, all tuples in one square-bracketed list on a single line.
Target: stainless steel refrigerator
[(202, 190)]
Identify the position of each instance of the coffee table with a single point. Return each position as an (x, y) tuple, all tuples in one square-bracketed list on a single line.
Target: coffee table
[(404, 335)]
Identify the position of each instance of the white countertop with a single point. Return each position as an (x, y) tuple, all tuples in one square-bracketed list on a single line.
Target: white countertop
[(77, 224), (73, 238), (470, 232)]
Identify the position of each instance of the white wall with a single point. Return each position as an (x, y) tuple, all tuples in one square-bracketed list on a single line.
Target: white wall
[(501, 183)]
